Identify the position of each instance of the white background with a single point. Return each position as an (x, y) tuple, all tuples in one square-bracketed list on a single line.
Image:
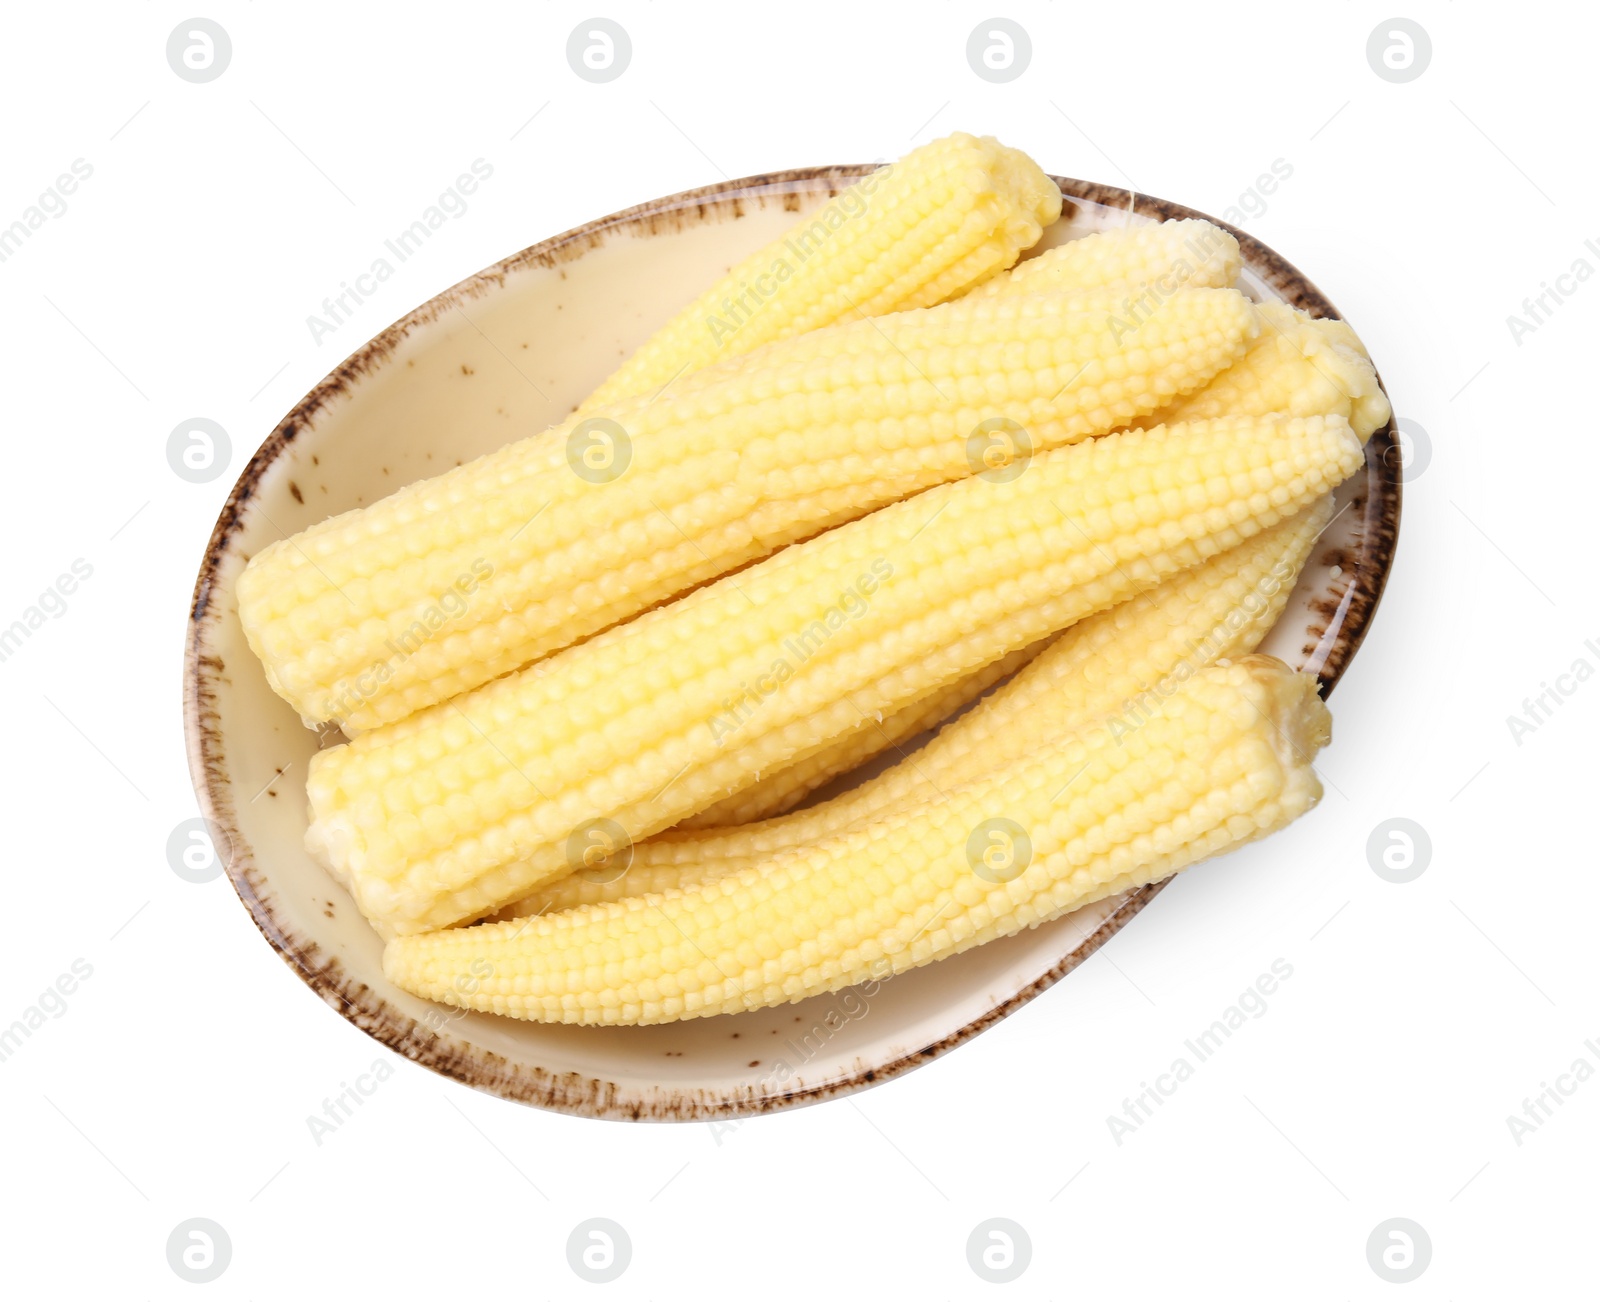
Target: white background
[(1419, 1016)]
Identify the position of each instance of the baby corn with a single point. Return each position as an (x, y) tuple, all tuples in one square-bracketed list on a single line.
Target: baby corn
[(449, 583), (1299, 365), (909, 235), (457, 811), (1225, 760), (1149, 260), (1118, 664), (787, 787)]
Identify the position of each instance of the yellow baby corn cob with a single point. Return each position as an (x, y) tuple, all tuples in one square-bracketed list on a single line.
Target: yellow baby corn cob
[(1297, 364), (1156, 258), (462, 809), (1225, 760), (1120, 663), (648, 874), (787, 787), (377, 613), (909, 235)]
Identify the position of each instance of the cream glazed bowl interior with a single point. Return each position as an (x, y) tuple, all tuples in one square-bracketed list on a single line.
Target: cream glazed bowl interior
[(500, 356)]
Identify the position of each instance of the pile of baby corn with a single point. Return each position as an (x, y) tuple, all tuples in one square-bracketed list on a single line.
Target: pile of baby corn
[(877, 469)]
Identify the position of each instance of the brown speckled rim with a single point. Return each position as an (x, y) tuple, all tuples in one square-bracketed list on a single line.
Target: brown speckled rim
[(1378, 502)]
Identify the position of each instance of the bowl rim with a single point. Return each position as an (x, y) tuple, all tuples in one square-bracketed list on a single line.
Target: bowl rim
[(570, 1092)]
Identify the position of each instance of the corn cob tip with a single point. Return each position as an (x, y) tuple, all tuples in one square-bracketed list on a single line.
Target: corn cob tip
[(1300, 726), (1355, 375), (1296, 708), (1037, 197), (1298, 365)]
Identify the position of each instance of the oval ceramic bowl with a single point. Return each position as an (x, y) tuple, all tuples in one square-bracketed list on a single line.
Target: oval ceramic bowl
[(505, 354)]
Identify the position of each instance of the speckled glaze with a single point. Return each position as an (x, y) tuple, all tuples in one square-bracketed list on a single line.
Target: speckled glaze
[(501, 355)]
